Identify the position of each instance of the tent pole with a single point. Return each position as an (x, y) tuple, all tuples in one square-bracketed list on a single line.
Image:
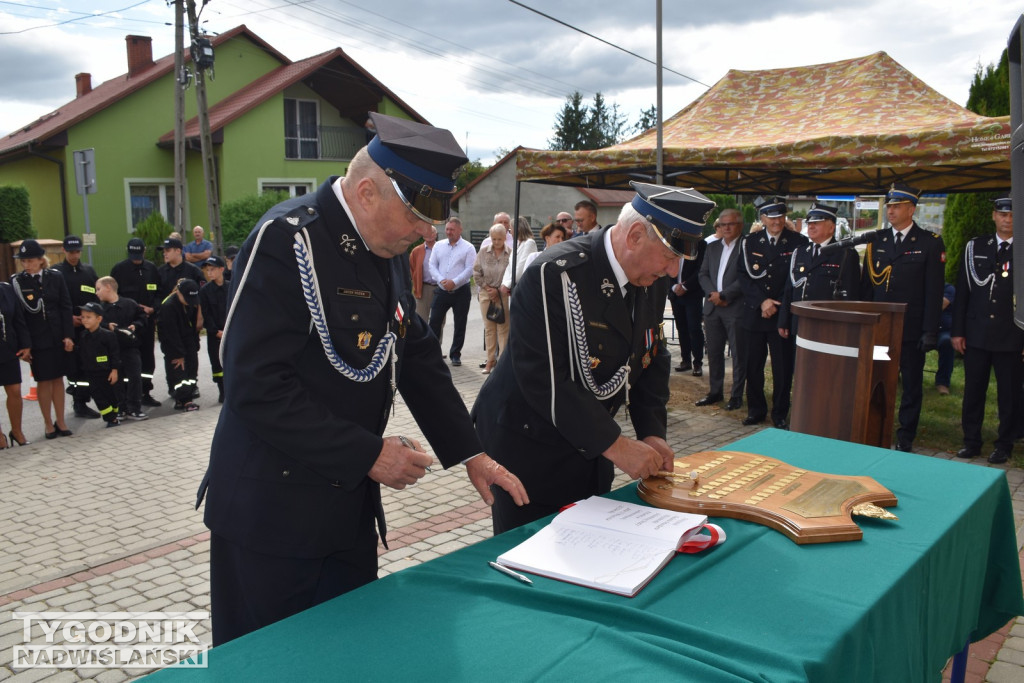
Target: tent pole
[(659, 176)]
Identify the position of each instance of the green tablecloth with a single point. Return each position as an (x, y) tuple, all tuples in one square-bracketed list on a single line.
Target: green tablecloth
[(891, 607)]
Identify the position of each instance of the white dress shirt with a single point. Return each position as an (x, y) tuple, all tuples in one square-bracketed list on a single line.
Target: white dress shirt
[(452, 262)]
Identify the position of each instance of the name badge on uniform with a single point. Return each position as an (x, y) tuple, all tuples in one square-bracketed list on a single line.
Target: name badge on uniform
[(101, 359), (150, 287), (359, 293), (88, 289)]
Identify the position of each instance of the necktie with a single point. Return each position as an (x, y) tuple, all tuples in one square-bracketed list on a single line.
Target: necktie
[(39, 278), (771, 241), (899, 240), (630, 297), (816, 248), (1004, 250)]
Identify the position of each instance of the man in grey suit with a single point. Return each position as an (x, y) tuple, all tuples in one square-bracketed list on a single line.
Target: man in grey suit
[(723, 305)]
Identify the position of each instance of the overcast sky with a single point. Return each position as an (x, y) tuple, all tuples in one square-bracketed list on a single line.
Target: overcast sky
[(496, 74)]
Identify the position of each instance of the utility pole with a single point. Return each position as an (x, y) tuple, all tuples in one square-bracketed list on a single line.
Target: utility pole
[(180, 83), (206, 143)]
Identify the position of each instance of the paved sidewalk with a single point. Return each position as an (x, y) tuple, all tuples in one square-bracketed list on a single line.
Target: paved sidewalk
[(105, 520)]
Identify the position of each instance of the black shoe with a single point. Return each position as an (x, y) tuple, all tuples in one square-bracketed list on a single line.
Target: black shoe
[(483, 365), (968, 453), (62, 432), (14, 442), (220, 393), (456, 362), (52, 435), (752, 420), (709, 400), (683, 367), (781, 424), (149, 401), (114, 423), (697, 371), (998, 456), (82, 410), (905, 446), (734, 404), (195, 392)]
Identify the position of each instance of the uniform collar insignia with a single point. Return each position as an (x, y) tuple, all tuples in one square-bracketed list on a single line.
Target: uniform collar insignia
[(292, 220), (348, 244), (607, 288)]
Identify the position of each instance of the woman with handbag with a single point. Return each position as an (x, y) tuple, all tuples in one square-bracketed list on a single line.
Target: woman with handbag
[(490, 266)]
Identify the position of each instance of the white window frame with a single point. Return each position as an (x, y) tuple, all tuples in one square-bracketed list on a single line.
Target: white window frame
[(309, 183), (299, 139), (165, 209)]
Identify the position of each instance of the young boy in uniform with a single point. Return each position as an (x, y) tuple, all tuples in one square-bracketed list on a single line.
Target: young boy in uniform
[(100, 359), (126, 319), (179, 341), (213, 302)]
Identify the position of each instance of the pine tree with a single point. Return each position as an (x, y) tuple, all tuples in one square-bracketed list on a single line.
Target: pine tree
[(648, 119), (571, 125), (969, 214)]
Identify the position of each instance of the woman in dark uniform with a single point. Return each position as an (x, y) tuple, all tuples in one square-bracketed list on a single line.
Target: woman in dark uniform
[(47, 305), (15, 344)]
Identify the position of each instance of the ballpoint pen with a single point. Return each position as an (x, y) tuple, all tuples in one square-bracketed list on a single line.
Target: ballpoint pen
[(515, 575), (408, 444)]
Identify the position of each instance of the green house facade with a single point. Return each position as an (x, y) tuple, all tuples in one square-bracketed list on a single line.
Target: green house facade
[(275, 125)]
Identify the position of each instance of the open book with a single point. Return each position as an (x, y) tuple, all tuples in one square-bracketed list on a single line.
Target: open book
[(605, 544)]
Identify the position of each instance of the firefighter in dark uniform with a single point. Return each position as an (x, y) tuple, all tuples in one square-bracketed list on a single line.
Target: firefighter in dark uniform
[(126, 319), (174, 270), (818, 271), (586, 339), (321, 334), (179, 341), (906, 265), (47, 305), (80, 279), (99, 358), (765, 258), (213, 304), (984, 332), (139, 280)]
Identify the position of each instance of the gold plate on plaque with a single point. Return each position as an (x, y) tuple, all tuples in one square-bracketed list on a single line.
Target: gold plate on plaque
[(806, 506)]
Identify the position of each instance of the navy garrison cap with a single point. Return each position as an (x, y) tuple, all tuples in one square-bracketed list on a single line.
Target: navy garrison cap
[(901, 193), (822, 212), (1003, 204), (93, 307), (678, 214), (422, 162), (72, 243), (30, 249), (772, 207)]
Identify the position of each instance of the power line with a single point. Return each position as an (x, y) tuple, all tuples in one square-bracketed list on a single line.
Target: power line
[(610, 44), (69, 21)]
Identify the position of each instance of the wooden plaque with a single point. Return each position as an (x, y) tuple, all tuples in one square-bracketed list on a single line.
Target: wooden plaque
[(807, 506)]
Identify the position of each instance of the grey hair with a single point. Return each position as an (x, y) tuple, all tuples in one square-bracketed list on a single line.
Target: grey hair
[(363, 166), (630, 215)]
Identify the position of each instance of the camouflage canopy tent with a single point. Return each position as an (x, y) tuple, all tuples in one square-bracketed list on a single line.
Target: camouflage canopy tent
[(852, 127)]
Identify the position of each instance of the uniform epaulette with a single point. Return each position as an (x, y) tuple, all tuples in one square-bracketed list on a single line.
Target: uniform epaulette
[(569, 260), (298, 218)]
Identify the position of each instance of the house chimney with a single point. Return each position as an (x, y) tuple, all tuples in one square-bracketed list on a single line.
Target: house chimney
[(83, 84), (140, 54)]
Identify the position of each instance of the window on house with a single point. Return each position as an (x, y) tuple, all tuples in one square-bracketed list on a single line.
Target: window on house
[(147, 198), (301, 123), (294, 188)]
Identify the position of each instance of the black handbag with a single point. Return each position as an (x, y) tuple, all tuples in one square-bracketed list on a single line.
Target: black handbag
[(496, 312)]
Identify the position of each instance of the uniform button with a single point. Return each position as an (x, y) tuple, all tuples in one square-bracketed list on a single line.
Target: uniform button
[(355, 317), (311, 211), (992, 316), (286, 473), (600, 347), (582, 255), (526, 426)]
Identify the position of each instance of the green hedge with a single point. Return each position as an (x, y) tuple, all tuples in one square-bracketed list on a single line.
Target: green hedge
[(153, 230), (238, 217), (15, 214)]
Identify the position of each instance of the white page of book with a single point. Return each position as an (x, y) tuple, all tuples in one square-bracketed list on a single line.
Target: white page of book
[(668, 525)]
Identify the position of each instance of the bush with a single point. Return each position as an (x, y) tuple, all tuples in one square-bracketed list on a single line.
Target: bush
[(968, 215), (237, 218), (724, 201), (153, 230), (15, 214)]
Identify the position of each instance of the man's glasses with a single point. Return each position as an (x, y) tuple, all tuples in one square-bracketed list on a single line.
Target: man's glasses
[(730, 224), (565, 220)]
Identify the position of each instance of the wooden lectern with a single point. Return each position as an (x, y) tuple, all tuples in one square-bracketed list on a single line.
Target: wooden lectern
[(847, 364)]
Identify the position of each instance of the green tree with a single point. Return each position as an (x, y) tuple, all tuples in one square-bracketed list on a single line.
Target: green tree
[(723, 202), (580, 127), (648, 120), (15, 214), (238, 217), (570, 125), (969, 215), (468, 173), (153, 230)]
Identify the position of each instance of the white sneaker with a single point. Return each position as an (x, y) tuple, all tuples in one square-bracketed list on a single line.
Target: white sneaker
[(136, 416)]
